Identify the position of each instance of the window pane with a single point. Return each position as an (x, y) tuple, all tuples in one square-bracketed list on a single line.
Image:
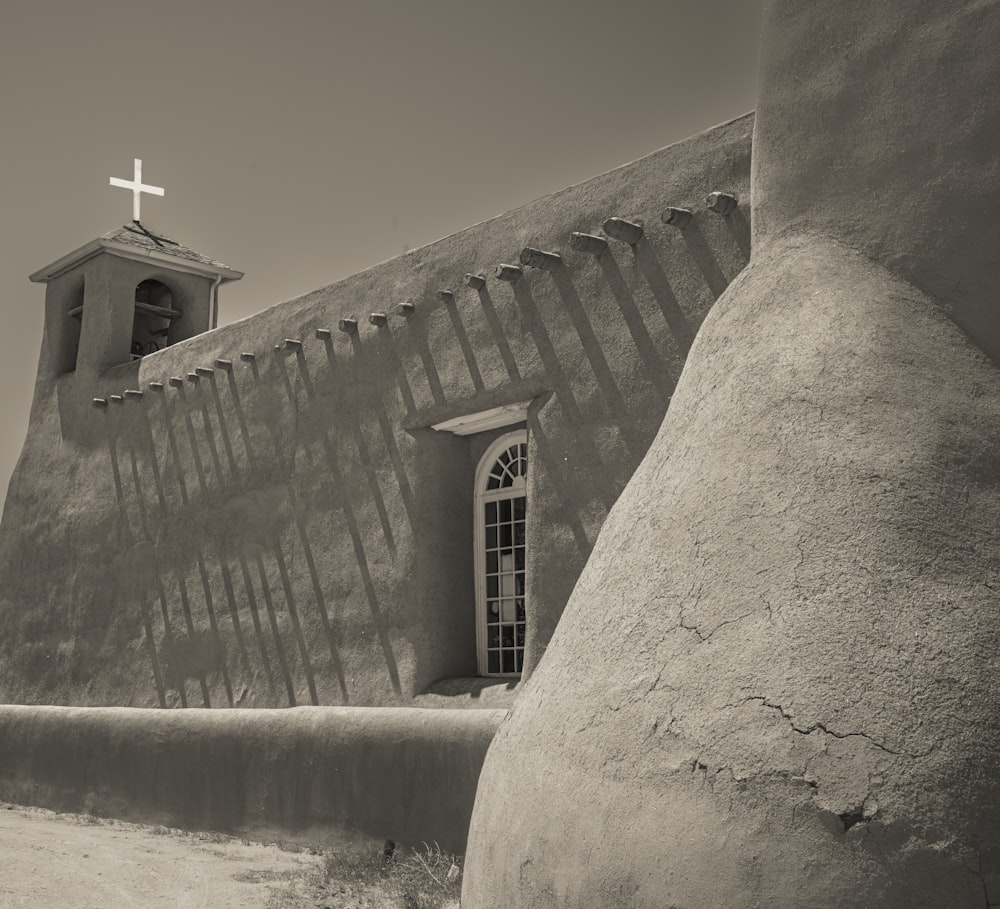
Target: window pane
[(508, 613), (504, 510), (507, 637), (491, 563), (491, 586), (519, 508), (491, 538), (491, 512), (508, 661), (520, 585), (519, 534), (520, 610), (493, 611), (506, 536), (494, 661), (519, 558), (493, 636)]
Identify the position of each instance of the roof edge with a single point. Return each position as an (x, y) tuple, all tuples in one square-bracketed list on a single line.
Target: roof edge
[(126, 251)]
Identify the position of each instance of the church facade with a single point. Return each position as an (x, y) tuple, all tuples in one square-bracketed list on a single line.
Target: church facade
[(380, 493)]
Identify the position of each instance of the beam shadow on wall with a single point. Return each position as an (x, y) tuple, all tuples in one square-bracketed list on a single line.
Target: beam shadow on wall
[(383, 340), (256, 553), (149, 445), (430, 369), (219, 647), (182, 487), (295, 438), (463, 341), (126, 539), (387, 348), (241, 419), (617, 407), (251, 599), (704, 258), (364, 453), (223, 429), (298, 517), (146, 536), (192, 638), (503, 345), (275, 546), (739, 228), (586, 449), (193, 554), (213, 449), (677, 321), (213, 624), (658, 373), (381, 628)]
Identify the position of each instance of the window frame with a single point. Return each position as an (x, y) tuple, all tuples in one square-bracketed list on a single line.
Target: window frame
[(482, 496)]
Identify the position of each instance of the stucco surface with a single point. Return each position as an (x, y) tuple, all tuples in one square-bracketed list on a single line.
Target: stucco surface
[(293, 531), (774, 684), (877, 123), (318, 775)]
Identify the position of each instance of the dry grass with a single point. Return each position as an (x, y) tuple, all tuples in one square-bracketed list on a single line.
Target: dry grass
[(426, 878)]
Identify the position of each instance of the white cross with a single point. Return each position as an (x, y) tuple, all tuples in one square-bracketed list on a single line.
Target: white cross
[(137, 186)]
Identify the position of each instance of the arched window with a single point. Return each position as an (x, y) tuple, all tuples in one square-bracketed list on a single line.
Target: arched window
[(499, 540)]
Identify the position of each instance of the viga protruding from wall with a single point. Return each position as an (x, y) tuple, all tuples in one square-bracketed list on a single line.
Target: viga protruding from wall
[(775, 681), (318, 775)]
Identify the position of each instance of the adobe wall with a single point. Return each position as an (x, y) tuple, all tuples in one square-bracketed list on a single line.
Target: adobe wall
[(313, 775), (791, 613), (292, 531)]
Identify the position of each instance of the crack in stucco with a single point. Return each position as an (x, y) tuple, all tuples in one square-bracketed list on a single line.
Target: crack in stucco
[(696, 630), (822, 727)]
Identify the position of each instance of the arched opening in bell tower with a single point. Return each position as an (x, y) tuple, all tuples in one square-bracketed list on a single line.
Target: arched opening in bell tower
[(66, 344), (155, 314)]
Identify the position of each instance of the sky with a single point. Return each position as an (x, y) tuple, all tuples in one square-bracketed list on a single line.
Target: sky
[(304, 140)]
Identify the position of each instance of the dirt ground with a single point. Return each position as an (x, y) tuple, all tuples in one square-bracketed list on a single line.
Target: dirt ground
[(76, 862)]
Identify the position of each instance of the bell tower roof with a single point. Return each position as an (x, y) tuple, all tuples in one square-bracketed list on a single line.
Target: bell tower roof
[(136, 241)]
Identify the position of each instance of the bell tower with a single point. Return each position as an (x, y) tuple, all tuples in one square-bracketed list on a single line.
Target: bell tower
[(126, 295)]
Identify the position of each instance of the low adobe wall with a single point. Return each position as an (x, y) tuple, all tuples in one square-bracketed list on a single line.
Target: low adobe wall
[(313, 774)]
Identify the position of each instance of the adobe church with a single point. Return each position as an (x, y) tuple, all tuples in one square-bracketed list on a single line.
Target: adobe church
[(641, 541), (381, 493)]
